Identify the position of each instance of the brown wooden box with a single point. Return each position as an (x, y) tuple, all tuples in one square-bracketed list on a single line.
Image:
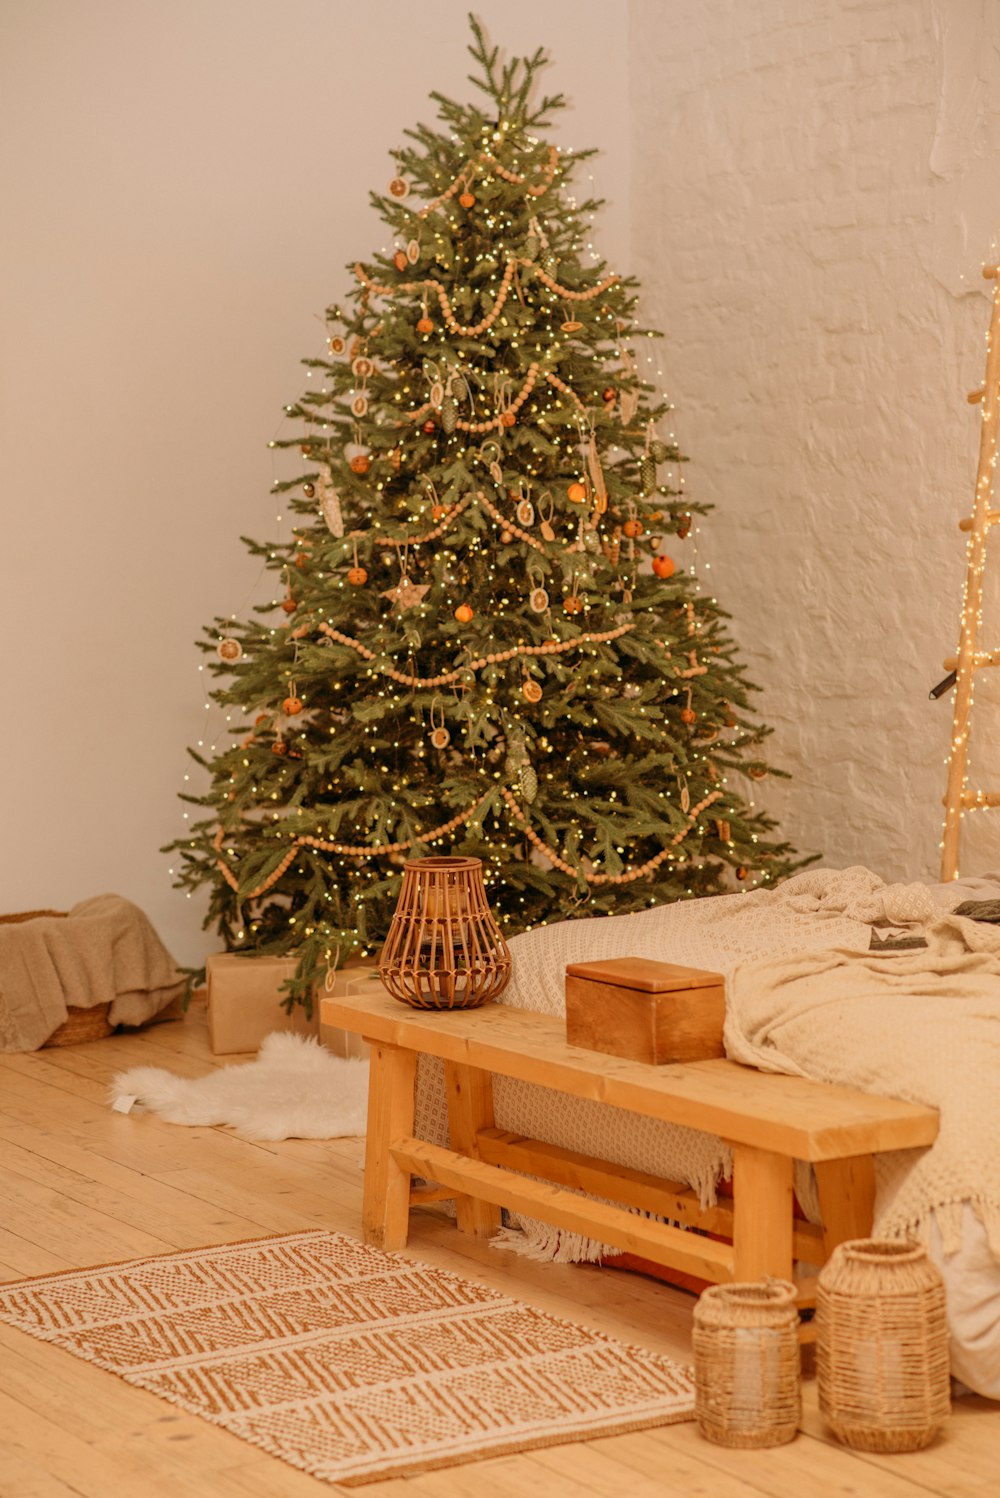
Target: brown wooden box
[(644, 1010)]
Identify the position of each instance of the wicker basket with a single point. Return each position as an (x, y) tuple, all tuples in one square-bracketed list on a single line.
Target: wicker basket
[(882, 1346), (746, 1364), (80, 1025)]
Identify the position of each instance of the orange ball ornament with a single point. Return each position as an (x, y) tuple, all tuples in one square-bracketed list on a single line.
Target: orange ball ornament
[(289, 605), (508, 419), (506, 537), (438, 512), (633, 528), (291, 706), (467, 199), (608, 395), (688, 715), (572, 604), (429, 428), (301, 559), (400, 261), (425, 325), (664, 566), (463, 613), (361, 463), (357, 577), (577, 493), (279, 747)]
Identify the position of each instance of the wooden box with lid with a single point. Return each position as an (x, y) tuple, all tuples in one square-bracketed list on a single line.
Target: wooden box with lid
[(644, 1010)]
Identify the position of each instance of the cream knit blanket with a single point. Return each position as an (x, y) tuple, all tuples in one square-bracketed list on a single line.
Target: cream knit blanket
[(920, 1025), (808, 914)]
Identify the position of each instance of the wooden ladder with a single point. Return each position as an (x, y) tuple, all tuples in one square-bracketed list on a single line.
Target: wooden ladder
[(958, 798)]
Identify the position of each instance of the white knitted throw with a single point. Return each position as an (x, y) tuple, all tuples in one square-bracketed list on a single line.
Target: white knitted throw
[(810, 912), (920, 1025)]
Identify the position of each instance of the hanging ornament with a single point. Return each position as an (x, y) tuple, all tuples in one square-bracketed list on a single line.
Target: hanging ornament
[(723, 830), (525, 512), (506, 537), (399, 188), (359, 405), (406, 594), (577, 493), (684, 526), (757, 771), (467, 199), (229, 650), (658, 451), (308, 490), (336, 344), (463, 613), (572, 604), (688, 715), (400, 260), (424, 324), (459, 387), (360, 463), (362, 367), (664, 566), (530, 690), (742, 871), (413, 251), (548, 262), (685, 797), (611, 547), (633, 527), (329, 503), (292, 705), (608, 395), (529, 783), (429, 427), (449, 415), (279, 747), (538, 600), (357, 577), (440, 737), (570, 325), (289, 605), (548, 534), (647, 474)]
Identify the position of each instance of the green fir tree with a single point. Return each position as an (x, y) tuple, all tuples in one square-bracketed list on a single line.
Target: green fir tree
[(489, 642)]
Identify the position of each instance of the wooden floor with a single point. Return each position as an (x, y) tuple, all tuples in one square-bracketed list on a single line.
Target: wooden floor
[(81, 1185)]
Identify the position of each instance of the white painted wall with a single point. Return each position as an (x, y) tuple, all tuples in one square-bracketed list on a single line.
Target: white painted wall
[(181, 186), (816, 184)]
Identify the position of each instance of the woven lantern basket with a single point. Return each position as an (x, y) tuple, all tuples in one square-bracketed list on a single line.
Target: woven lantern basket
[(444, 950), (746, 1364), (80, 1025), (882, 1346)]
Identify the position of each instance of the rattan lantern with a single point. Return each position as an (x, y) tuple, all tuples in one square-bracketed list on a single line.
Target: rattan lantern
[(746, 1364), (444, 950), (882, 1345)]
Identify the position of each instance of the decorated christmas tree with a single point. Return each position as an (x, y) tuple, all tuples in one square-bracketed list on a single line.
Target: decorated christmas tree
[(488, 640)]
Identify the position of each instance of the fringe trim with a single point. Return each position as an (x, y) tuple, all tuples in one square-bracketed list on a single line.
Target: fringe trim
[(948, 1217)]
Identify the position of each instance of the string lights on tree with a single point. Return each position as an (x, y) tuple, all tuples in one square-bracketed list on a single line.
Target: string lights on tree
[(487, 638)]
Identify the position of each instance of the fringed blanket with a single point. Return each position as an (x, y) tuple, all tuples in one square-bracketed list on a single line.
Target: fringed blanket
[(803, 919), (104, 950), (921, 1025)]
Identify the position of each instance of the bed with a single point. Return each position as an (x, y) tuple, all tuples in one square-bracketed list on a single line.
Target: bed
[(782, 952)]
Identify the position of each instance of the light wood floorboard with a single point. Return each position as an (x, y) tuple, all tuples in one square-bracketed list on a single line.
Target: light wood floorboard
[(82, 1185)]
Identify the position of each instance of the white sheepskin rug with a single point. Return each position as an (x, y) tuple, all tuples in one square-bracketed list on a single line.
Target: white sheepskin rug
[(294, 1090)]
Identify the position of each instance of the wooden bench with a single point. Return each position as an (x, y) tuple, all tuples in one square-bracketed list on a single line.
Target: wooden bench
[(769, 1120)]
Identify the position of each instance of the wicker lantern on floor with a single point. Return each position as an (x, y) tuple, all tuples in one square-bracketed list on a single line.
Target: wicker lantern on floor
[(746, 1364), (882, 1345), (444, 950)]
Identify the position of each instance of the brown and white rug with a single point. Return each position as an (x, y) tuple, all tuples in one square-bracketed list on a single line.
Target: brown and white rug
[(349, 1363)]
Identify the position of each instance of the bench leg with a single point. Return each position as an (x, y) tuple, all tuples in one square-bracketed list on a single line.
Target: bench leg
[(470, 1108), (846, 1199), (762, 1214), (386, 1209)]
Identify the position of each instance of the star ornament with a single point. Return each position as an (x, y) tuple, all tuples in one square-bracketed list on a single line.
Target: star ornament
[(406, 595)]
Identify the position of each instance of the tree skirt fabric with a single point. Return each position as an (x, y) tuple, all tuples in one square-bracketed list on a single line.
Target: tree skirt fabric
[(349, 1363)]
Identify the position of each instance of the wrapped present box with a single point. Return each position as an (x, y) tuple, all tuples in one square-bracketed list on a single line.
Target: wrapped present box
[(245, 997)]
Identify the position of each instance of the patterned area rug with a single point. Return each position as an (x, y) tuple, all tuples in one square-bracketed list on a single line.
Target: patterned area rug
[(349, 1363)]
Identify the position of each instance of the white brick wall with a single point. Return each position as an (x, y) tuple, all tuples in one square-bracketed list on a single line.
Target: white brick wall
[(815, 185)]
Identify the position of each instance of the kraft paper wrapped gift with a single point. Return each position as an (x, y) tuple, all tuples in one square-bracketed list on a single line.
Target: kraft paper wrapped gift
[(245, 1003)]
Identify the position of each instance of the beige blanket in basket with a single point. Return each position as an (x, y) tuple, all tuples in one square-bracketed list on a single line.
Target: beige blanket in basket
[(920, 1025), (104, 950)]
